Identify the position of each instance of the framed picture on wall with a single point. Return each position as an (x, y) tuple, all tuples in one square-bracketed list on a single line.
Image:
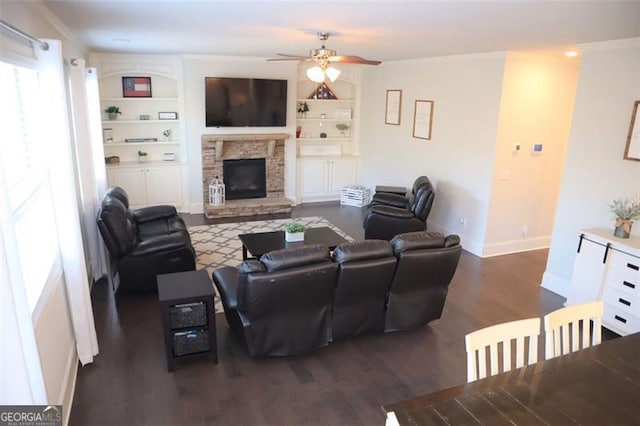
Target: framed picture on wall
[(136, 87), (393, 107), (422, 117), (632, 150)]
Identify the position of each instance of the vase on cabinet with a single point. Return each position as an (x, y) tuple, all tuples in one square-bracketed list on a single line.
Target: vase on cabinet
[(622, 228)]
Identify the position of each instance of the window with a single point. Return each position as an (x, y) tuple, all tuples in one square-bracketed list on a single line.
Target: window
[(25, 178)]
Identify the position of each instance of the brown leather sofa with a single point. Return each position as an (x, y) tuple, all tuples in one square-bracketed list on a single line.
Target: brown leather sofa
[(143, 242), (295, 300)]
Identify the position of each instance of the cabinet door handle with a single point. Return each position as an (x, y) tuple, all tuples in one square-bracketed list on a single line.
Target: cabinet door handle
[(622, 320), (606, 253), (628, 284), (624, 302), (580, 242), (632, 266)]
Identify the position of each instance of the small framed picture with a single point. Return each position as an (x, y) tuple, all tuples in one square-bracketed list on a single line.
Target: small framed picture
[(107, 135), (393, 107), (422, 117), (167, 116), (136, 87)]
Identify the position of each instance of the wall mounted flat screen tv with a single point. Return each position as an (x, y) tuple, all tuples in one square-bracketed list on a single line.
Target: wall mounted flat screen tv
[(245, 102)]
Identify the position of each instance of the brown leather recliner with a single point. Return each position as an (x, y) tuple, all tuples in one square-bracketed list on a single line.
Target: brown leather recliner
[(143, 242), (427, 262), (281, 304), (390, 214), (365, 269)]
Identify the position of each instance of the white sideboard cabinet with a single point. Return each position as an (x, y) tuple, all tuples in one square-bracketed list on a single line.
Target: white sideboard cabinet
[(148, 184), (607, 268)]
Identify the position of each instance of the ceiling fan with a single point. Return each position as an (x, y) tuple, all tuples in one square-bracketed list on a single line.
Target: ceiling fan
[(323, 57)]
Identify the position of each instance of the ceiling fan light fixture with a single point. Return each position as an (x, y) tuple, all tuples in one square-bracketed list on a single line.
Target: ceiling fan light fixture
[(316, 74), (332, 73)]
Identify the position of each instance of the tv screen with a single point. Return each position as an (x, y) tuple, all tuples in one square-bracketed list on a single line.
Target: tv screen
[(245, 102)]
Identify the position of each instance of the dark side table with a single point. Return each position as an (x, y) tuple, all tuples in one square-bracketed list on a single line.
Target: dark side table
[(188, 315)]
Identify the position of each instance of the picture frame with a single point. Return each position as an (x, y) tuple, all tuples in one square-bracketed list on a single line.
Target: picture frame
[(632, 148), (343, 113), (422, 119), (107, 135), (136, 87), (167, 116), (393, 107)]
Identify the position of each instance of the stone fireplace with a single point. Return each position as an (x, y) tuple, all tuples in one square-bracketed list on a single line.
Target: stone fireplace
[(245, 178), (268, 147)]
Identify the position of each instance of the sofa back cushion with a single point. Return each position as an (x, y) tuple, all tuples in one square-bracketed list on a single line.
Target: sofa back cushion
[(289, 258)]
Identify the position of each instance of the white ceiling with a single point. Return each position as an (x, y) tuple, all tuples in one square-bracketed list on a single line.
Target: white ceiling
[(381, 30)]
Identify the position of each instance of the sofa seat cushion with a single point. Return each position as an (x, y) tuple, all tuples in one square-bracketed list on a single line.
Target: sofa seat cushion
[(146, 214), (165, 226), (161, 243)]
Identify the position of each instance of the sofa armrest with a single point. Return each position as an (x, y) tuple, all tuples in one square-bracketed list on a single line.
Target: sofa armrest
[(389, 199), (226, 280), (161, 243), (390, 212), (146, 214)]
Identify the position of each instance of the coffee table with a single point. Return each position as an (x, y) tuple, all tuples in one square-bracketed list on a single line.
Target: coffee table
[(263, 242)]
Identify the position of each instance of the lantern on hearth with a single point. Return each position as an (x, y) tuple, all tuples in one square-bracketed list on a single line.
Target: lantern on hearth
[(216, 192)]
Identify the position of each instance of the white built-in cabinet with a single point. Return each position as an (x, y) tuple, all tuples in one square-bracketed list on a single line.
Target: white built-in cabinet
[(322, 178), (607, 268), (148, 185), (160, 179), (327, 164)]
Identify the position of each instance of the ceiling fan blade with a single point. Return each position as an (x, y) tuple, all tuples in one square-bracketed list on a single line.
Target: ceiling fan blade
[(353, 60)]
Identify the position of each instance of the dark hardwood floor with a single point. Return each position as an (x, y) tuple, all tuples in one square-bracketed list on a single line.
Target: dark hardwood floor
[(344, 383)]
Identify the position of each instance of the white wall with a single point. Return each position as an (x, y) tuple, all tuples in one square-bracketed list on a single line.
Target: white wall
[(196, 68), (466, 91), (595, 173), (537, 100)]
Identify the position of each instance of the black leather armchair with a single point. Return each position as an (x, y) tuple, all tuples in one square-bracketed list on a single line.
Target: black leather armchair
[(365, 269), (143, 242), (281, 304), (427, 262), (391, 214)]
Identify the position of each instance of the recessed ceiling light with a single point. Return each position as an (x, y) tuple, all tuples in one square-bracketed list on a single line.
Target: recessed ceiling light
[(571, 53)]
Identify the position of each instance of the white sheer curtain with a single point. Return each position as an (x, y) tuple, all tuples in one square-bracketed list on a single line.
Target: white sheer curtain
[(92, 176)]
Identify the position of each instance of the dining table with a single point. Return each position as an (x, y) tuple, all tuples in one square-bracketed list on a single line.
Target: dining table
[(597, 385)]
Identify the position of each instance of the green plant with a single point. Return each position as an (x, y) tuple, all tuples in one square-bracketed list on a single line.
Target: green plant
[(342, 126), (142, 153), (167, 133), (112, 110), (303, 107), (626, 209), (294, 227)]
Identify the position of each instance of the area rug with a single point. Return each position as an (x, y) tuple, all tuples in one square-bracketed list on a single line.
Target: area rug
[(219, 245)]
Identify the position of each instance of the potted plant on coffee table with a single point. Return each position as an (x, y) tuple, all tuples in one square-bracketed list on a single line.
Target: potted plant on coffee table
[(293, 232)]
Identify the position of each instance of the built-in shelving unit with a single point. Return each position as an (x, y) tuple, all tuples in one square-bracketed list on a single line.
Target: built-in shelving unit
[(161, 178)]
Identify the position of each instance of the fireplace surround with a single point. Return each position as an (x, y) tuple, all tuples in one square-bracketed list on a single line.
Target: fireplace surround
[(267, 146)]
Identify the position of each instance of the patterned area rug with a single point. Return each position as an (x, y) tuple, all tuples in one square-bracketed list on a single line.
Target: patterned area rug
[(219, 245)]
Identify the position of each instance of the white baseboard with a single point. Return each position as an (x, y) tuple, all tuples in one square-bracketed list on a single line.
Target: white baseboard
[(516, 246), (468, 244), (197, 208), (69, 385), (555, 284)]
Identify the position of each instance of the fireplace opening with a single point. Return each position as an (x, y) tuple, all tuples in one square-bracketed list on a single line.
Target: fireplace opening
[(244, 178)]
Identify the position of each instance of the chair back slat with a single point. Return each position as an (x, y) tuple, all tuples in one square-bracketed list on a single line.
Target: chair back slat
[(478, 341), (573, 328)]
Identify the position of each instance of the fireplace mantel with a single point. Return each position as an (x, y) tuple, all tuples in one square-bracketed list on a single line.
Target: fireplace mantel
[(269, 138)]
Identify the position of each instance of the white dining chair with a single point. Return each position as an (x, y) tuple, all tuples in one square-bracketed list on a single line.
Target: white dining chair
[(499, 338), (573, 328)]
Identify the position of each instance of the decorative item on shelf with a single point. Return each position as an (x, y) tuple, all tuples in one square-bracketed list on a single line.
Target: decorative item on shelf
[(167, 134), (216, 192), (167, 116), (142, 157), (114, 159), (323, 92), (107, 135), (323, 116), (303, 108), (294, 232), (138, 140), (144, 117), (298, 131), (626, 211), (112, 111), (323, 135), (343, 127), (169, 156)]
